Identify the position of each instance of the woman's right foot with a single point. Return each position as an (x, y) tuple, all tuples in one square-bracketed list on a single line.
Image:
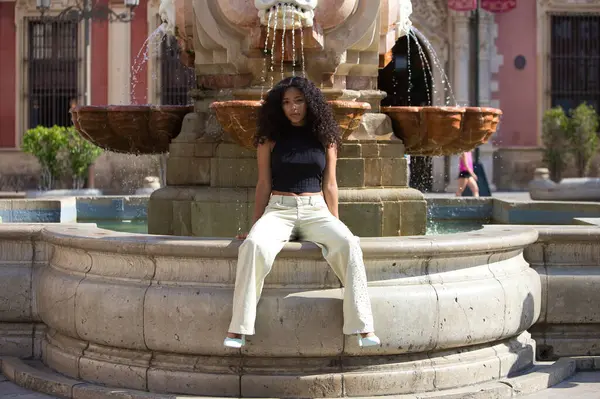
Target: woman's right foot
[(233, 340), (368, 339)]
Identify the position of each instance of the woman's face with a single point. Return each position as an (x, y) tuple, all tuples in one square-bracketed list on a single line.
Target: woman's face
[(294, 106)]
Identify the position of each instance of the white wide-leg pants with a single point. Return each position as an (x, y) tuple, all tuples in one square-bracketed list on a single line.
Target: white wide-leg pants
[(310, 219)]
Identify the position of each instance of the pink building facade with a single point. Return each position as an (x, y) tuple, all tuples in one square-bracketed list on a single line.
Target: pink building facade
[(45, 67), (560, 43), (539, 54), (517, 88)]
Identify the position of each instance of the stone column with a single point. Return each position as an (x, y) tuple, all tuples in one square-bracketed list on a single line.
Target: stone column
[(461, 77), (486, 23), (486, 46), (461, 56), (119, 65)]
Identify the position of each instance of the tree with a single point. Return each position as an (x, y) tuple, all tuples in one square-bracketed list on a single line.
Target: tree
[(555, 125), (46, 144), (81, 154), (583, 137)]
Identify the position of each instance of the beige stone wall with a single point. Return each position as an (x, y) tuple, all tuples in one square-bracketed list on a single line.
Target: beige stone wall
[(114, 173), (566, 258), (514, 167), (210, 190)]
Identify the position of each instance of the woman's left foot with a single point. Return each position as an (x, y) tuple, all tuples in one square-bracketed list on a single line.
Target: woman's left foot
[(368, 339), (235, 341)]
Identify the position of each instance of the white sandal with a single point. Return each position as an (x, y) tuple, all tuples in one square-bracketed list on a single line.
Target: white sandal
[(372, 340), (235, 343)]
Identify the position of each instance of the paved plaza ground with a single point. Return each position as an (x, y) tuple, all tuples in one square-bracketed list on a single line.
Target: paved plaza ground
[(12, 391), (585, 385)]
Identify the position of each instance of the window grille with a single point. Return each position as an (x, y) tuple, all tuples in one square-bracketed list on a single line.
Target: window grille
[(176, 79), (575, 60), (52, 65)]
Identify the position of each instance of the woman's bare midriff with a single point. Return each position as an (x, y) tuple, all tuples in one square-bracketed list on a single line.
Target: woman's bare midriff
[(294, 194)]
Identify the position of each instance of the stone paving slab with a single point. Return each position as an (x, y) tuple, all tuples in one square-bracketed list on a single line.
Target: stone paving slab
[(8, 390), (583, 385)]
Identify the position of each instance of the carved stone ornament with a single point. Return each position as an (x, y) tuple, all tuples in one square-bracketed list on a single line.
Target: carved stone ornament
[(432, 13), (302, 12), (56, 5)]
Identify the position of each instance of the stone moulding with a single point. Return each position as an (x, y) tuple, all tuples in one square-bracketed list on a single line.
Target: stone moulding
[(149, 313), (567, 258)]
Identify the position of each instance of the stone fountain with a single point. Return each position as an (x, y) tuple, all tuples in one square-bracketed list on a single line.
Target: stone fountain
[(211, 171), (149, 312)]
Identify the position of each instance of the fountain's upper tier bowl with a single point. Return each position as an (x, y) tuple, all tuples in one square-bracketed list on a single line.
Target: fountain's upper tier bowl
[(430, 131), (239, 118), (133, 129)]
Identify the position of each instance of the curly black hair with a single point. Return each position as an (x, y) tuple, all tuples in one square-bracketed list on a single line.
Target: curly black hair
[(272, 122)]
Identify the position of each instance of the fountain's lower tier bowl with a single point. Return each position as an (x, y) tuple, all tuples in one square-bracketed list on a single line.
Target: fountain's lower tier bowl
[(431, 131), (239, 118), (150, 313), (133, 129)]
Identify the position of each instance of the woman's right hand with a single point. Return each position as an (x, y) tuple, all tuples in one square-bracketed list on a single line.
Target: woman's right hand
[(242, 236)]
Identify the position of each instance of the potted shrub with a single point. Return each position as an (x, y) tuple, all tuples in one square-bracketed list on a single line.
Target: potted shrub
[(81, 154), (46, 145), (555, 125), (583, 137)]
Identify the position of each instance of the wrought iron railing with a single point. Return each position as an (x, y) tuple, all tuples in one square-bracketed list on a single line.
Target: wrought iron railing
[(176, 80), (52, 63), (575, 60)]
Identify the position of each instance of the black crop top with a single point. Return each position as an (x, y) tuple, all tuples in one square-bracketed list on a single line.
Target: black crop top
[(297, 162)]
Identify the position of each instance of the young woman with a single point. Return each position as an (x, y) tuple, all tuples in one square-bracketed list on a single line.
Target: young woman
[(296, 193), (466, 176)]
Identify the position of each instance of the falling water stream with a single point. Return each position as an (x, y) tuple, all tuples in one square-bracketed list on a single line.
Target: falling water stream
[(273, 43), (143, 55), (437, 64), (424, 62), (288, 26), (294, 43), (266, 55), (285, 9)]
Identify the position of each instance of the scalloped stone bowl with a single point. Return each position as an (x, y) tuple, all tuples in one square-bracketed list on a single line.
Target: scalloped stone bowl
[(239, 118), (133, 129), (442, 130)]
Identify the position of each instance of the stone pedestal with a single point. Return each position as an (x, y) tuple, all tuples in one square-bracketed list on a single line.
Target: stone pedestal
[(210, 190)]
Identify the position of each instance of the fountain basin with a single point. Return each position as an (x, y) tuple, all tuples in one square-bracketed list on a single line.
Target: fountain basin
[(433, 131), (132, 309), (132, 129), (239, 118)]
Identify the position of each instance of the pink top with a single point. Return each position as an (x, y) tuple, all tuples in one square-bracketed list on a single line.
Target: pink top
[(461, 164)]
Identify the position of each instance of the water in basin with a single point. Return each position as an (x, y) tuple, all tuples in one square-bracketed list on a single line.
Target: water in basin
[(434, 227), (125, 226)]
